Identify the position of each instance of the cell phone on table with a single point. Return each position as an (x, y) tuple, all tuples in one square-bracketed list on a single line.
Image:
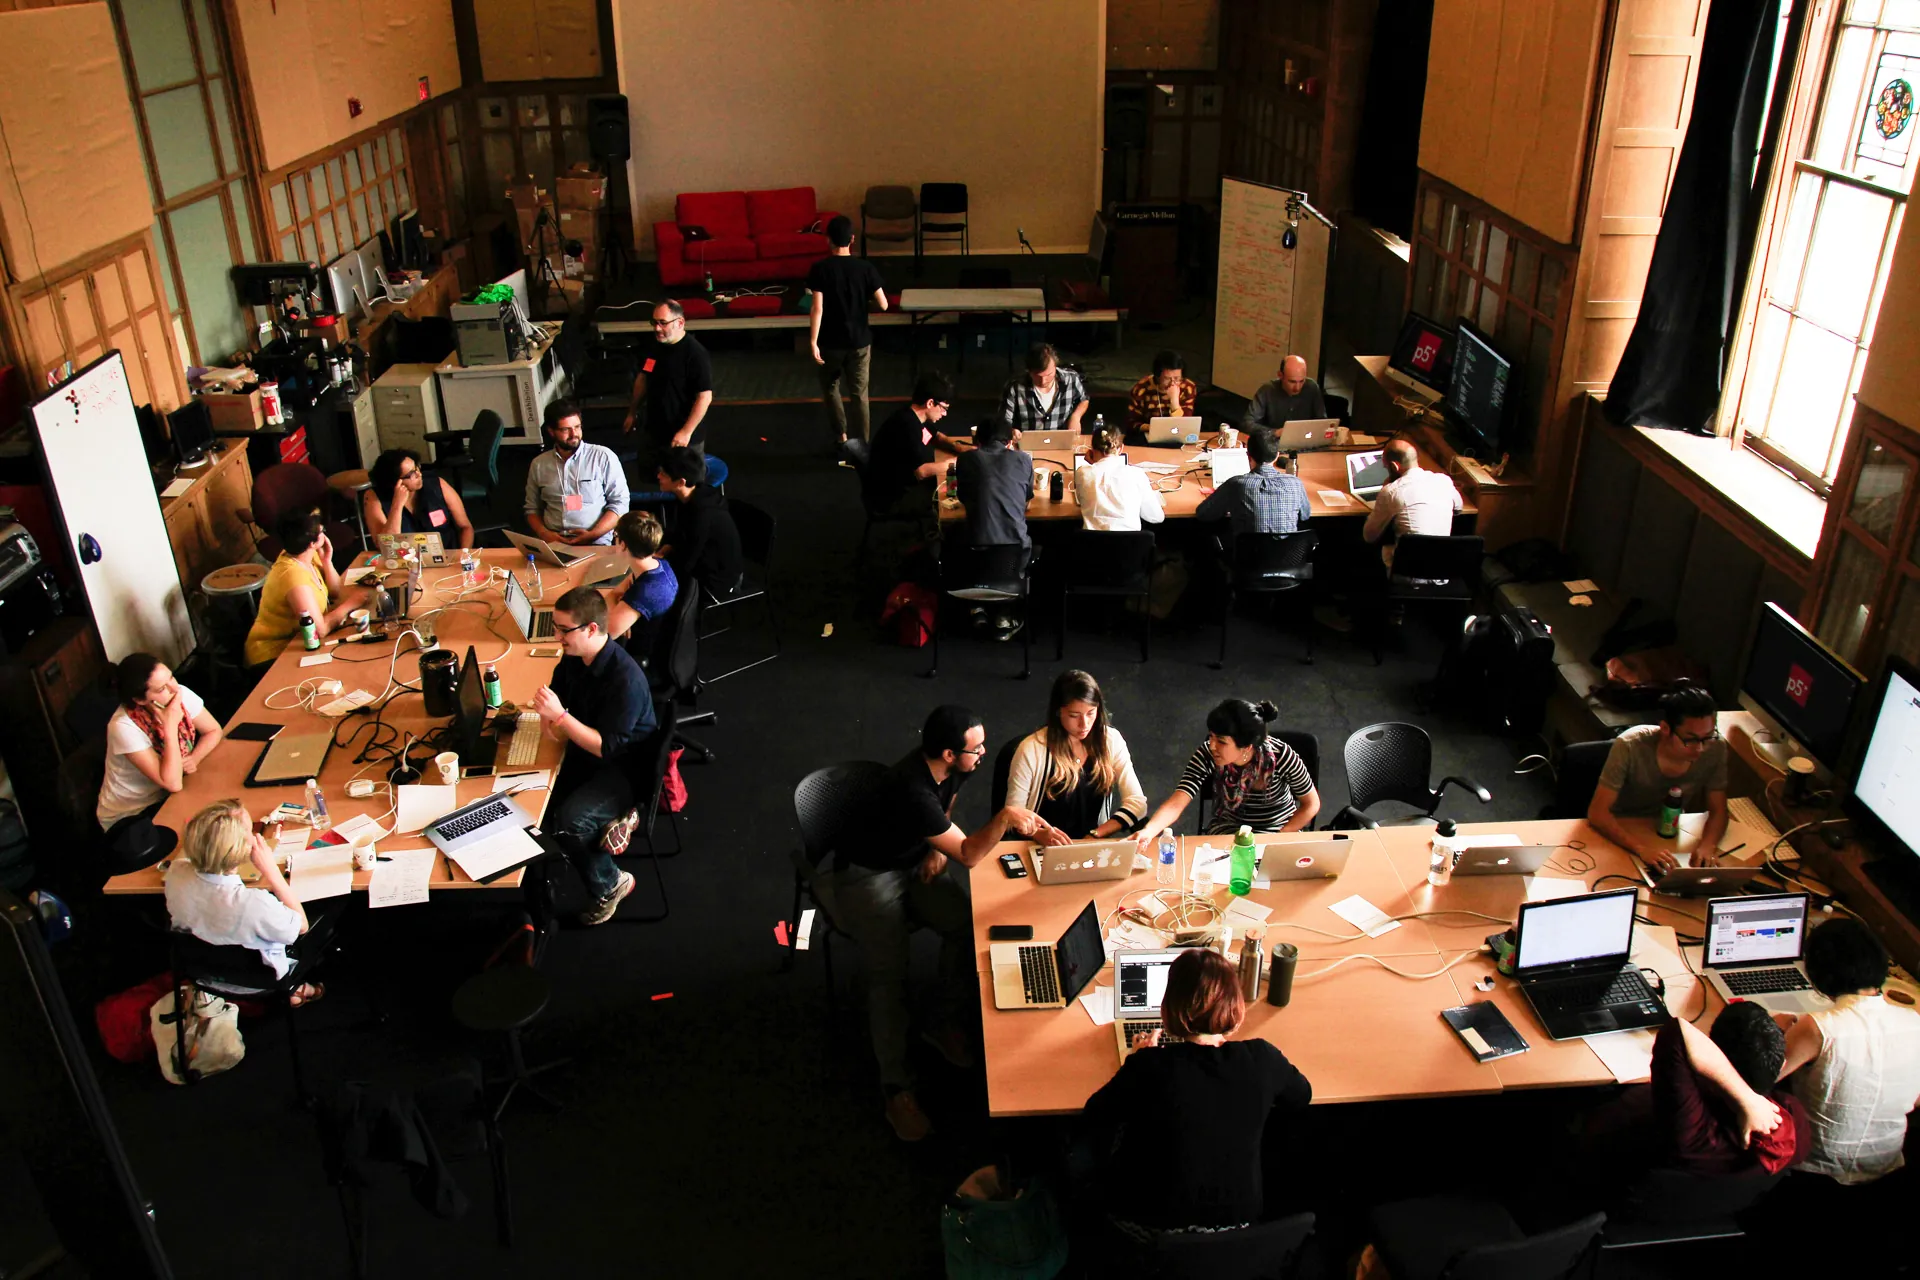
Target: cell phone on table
[(1009, 932), (476, 771), (1012, 867), (544, 651)]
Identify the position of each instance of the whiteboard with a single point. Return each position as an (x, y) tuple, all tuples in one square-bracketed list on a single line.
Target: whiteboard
[(1268, 300), (97, 472)]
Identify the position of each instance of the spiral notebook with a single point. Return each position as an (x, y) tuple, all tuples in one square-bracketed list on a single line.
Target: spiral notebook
[(1485, 1030)]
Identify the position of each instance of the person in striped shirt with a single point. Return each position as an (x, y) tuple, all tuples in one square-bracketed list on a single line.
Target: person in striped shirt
[(1254, 779)]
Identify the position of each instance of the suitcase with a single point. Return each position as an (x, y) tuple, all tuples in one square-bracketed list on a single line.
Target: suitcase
[(1524, 647)]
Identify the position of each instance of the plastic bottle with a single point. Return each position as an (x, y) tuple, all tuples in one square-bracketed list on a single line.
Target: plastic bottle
[(1167, 865), (317, 806), (414, 570), (490, 681), (953, 480), (383, 603), (1669, 813), (309, 634), (1099, 421), (532, 583), (1440, 860), (469, 567), (1240, 872)]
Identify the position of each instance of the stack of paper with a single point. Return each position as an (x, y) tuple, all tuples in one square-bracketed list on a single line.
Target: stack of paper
[(325, 871), (401, 878), (421, 804), (1364, 916)]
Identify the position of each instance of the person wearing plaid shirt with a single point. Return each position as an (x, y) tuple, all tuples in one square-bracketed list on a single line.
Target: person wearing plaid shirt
[(1046, 397), (1164, 393), (1265, 499)]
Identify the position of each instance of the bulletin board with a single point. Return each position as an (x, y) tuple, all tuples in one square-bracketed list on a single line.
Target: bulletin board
[(1270, 299)]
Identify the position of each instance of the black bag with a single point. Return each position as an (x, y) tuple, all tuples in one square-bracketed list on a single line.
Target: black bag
[(1500, 670), (16, 854)]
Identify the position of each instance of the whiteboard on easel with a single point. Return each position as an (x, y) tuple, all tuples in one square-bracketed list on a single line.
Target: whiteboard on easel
[(1270, 297), (97, 473)]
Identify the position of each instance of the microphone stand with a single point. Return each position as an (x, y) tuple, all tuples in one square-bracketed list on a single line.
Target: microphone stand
[(1046, 304)]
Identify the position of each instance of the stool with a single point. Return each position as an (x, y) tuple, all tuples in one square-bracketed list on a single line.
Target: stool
[(350, 485), (233, 598), (506, 999)]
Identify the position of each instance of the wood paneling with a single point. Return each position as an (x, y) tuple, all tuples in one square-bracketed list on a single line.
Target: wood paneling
[(106, 300), (1162, 35), (1295, 77)]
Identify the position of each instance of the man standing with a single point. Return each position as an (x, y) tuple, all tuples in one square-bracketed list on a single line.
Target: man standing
[(903, 469), (576, 492), (599, 705), (675, 385), (1046, 397), (891, 872), (1165, 393), (704, 543), (996, 480), (1265, 499), (837, 325), (1412, 502), (1291, 397), (1114, 496)]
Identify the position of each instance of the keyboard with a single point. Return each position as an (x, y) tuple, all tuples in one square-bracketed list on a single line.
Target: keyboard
[(1747, 812), (1136, 1027), (525, 743), (1764, 982), (542, 628), (1624, 987), (472, 820), (1038, 976)]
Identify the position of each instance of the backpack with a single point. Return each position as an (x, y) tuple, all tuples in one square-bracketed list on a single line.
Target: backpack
[(913, 610)]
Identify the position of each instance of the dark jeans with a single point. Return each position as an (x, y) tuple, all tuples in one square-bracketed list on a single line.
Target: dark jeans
[(589, 794), (848, 369)]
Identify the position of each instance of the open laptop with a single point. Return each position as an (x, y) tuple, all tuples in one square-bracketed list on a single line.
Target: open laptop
[(534, 623), (1702, 882), (1322, 859), (291, 758), (1173, 431), (428, 546), (1572, 959), (1086, 860), (1366, 475), (560, 557), (1052, 441), (1047, 975), (1753, 952), (1303, 435), (1139, 988), (475, 823), (1502, 859)]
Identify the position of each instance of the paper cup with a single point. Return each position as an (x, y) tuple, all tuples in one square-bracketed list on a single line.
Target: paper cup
[(448, 763), (361, 620), (363, 856)]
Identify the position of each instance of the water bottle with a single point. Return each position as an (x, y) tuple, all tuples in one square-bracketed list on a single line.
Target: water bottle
[(414, 571), (1167, 870), (309, 634), (490, 681), (469, 567), (1099, 421), (1250, 967), (534, 590), (383, 604), (1440, 860), (317, 806), (1669, 812), (1240, 870)]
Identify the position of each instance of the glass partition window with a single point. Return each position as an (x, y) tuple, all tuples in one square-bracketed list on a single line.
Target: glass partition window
[(328, 204)]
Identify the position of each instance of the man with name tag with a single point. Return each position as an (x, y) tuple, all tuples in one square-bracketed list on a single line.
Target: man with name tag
[(576, 492), (673, 390)]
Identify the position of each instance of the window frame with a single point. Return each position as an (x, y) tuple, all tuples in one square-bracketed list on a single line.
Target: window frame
[(296, 179)]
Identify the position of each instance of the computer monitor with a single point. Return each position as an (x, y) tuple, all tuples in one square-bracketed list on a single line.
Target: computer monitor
[(191, 426), (1424, 352), (1885, 799), (409, 246), (1478, 389), (347, 283), (470, 715), (1802, 687)]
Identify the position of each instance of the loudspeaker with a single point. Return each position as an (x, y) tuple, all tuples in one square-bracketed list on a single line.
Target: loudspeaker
[(607, 134)]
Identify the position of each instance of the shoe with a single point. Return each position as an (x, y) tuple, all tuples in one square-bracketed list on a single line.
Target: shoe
[(953, 1045), (1007, 628), (602, 911), (1329, 617), (619, 833), (910, 1123)]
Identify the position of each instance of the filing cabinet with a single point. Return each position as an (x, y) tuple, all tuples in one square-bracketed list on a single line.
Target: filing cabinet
[(406, 407)]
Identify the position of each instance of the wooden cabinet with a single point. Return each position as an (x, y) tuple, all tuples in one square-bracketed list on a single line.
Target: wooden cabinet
[(37, 686), (542, 40), (204, 523)]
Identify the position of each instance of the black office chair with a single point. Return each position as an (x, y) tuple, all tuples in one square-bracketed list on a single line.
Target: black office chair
[(1267, 564), (1456, 1238), (1002, 769), (1579, 774), (1263, 1251), (472, 454), (647, 765), (233, 973), (756, 527), (1305, 745), (673, 670), (1392, 761), (998, 574), (1431, 570), (825, 805), (1099, 562), (857, 454), (1670, 1206), (943, 212)]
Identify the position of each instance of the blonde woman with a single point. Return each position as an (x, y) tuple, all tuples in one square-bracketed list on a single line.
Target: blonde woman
[(1075, 772), (207, 898)]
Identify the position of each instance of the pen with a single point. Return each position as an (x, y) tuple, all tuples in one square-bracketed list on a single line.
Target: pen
[(1728, 853)]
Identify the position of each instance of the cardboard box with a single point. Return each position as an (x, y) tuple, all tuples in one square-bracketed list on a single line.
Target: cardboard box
[(229, 411), (526, 219), (581, 188), (525, 195)]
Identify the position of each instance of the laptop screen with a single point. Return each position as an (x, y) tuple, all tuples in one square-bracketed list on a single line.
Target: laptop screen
[(1366, 471), (1766, 927), (1595, 927), (1140, 983), (1078, 954), (519, 606)]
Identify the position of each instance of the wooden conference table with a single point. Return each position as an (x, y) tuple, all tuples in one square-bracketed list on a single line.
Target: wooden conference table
[(1360, 1032), (366, 666)]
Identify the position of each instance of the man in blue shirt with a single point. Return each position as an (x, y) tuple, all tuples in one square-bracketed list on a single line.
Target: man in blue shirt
[(1265, 499), (576, 492)]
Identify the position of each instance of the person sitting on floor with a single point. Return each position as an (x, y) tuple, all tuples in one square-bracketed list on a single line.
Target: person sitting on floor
[(1263, 500), (1075, 771), (159, 734), (207, 898), (402, 498), (1112, 495), (704, 546), (1256, 780), (1684, 750), (636, 608), (302, 580)]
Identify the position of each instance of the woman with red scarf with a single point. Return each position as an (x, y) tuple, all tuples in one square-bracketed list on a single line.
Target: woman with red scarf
[(1255, 780), (158, 735)]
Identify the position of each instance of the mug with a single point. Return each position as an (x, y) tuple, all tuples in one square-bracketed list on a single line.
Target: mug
[(448, 763), (1229, 438)]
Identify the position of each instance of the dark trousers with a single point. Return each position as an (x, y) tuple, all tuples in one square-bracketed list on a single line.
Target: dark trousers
[(846, 369), (588, 794)]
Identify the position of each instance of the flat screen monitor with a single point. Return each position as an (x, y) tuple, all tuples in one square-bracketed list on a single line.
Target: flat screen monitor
[(347, 283), (1424, 352), (1802, 686), (1478, 388), (470, 715), (191, 427), (1886, 790)]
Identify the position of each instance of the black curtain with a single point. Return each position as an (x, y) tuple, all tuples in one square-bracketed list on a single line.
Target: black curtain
[(1674, 366), (1386, 150)]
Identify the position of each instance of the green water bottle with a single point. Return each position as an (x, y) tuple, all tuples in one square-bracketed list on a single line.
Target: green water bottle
[(1240, 872), (1670, 814)]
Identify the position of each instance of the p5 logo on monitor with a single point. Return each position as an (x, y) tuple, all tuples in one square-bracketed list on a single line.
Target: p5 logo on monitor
[(1426, 351), (1799, 684)]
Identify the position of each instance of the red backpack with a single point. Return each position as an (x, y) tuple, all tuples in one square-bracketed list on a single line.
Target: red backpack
[(912, 610)]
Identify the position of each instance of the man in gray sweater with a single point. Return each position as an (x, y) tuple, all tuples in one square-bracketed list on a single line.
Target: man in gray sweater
[(1291, 397)]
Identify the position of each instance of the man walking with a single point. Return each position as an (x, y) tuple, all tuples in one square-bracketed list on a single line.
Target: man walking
[(837, 329)]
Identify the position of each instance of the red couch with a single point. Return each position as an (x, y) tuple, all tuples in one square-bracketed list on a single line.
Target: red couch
[(755, 235)]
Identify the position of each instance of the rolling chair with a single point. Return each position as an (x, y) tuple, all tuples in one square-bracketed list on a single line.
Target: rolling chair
[(1580, 766), (473, 455), (1456, 1238), (292, 486), (1305, 745), (1267, 564), (1263, 1251), (1670, 1206), (1432, 570), (1392, 761), (756, 526), (997, 574), (857, 453), (674, 669), (647, 768)]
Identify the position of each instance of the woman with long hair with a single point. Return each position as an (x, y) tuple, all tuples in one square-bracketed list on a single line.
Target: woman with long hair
[(402, 498), (159, 734), (1255, 779), (1075, 770)]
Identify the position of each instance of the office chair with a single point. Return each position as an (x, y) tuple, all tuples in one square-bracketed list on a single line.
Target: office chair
[(294, 486), (1671, 1206), (891, 205), (647, 767), (826, 803), (1267, 564), (1432, 570), (1392, 761), (1579, 774), (1002, 769), (756, 526), (674, 668), (473, 454), (1102, 562), (996, 574), (1456, 1238), (1305, 745), (857, 453), (1263, 1251), (947, 203)]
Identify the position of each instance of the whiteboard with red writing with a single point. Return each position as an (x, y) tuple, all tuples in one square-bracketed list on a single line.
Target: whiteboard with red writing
[(1270, 295)]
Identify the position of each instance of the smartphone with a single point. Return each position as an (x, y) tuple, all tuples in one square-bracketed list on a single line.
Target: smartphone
[(1009, 932), (477, 771), (544, 651), (1012, 867)]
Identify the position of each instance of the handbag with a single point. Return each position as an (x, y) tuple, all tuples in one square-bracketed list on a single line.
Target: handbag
[(210, 1026), (989, 1231), (122, 1018)]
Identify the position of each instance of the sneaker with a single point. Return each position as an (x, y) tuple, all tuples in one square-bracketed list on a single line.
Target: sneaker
[(1006, 628), (910, 1123), (602, 911), (1329, 617), (953, 1045), (619, 833)]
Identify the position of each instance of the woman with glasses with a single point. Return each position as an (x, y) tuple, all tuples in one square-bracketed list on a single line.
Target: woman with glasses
[(405, 499), (1075, 770), (1683, 751)]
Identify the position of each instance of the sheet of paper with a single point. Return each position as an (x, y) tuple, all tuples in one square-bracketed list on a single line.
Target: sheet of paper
[(358, 829), (531, 779), (1657, 947), (496, 853), (1581, 586), (400, 878), (421, 803), (1364, 916), (177, 488), (1334, 498), (1628, 1054), (1217, 861), (1098, 1002), (1243, 913), (325, 872), (1545, 888), (1131, 936), (354, 577)]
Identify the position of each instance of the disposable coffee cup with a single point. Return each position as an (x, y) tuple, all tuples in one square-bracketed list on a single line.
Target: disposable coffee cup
[(361, 620), (1280, 974), (448, 763)]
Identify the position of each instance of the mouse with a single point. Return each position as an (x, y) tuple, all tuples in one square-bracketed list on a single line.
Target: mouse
[(1834, 839)]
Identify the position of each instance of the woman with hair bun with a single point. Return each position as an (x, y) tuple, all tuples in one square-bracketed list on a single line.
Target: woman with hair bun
[(1255, 779)]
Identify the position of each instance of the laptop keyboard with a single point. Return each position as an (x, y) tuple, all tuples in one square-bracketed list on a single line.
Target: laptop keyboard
[(1038, 977), (454, 828), (1141, 1027), (1624, 987), (1765, 982), (542, 626)]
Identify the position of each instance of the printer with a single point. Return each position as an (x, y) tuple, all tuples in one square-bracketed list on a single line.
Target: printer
[(488, 333)]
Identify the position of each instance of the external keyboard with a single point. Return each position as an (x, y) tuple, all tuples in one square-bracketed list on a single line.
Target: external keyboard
[(525, 743), (1038, 976), (1747, 812), (1624, 987), (1764, 982), (472, 820)]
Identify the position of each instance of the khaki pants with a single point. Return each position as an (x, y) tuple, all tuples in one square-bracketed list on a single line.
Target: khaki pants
[(852, 366)]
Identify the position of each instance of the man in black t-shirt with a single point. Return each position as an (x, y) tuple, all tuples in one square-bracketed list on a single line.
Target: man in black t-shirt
[(902, 467), (891, 872), (673, 391), (704, 542), (837, 325)]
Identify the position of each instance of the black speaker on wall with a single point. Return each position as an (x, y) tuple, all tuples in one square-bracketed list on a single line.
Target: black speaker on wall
[(607, 134)]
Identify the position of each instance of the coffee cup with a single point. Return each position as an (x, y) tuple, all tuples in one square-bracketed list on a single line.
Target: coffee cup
[(363, 857), (448, 764), (361, 620)]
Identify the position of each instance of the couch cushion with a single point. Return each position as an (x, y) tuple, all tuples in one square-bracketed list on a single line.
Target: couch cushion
[(723, 213), (721, 249), (758, 304), (792, 244), (696, 308), (788, 209)]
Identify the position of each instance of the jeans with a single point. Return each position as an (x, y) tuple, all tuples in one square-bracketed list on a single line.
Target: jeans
[(852, 366), (879, 910), (589, 794)]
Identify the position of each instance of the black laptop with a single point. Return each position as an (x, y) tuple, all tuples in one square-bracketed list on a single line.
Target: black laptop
[(1572, 961)]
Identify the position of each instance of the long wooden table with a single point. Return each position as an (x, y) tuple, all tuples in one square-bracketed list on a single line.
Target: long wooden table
[(365, 666), (1360, 1032)]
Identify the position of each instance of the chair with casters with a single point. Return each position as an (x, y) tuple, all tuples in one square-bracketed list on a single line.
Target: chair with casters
[(1579, 774), (826, 804), (890, 206), (1267, 564), (1432, 570), (1459, 1238), (997, 574), (1305, 745), (1392, 761), (473, 456), (857, 454), (1262, 1251), (1100, 562), (235, 973), (1672, 1206), (673, 669), (943, 213), (756, 526), (295, 486)]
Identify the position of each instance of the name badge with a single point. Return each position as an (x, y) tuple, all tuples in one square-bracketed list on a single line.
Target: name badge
[(926, 436), (573, 502), (437, 517), (647, 365)]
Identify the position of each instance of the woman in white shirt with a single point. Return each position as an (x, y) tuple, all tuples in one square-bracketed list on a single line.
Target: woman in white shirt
[(159, 734), (1112, 495), (207, 898), (1076, 772)]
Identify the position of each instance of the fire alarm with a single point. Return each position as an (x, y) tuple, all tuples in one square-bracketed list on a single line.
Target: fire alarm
[(425, 92), (353, 107)]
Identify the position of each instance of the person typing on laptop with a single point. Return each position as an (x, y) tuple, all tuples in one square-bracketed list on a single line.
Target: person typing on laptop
[(1263, 500), (1684, 750), (1167, 392), (1112, 495), (1044, 398), (1292, 395), (1413, 501), (1076, 772), (598, 704), (1255, 780), (892, 871), (576, 491)]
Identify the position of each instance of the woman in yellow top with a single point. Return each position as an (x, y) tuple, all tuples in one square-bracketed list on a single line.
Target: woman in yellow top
[(302, 580)]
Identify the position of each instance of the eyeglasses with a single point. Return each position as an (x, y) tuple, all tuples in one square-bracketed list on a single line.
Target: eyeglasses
[(974, 751), (668, 323), (1687, 740), (567, 631)]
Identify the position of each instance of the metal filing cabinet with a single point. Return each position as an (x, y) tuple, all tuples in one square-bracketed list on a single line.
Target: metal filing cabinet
[(406, 406), (366, 427)]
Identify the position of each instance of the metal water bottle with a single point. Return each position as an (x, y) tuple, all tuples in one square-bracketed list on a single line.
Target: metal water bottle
[(1250, 967)]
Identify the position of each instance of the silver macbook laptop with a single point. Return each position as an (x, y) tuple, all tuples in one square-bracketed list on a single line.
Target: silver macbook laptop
[(1052, 441), (1754, 948), (1089, 860), (1047, 974), (1322, 859), (1302, 435), (1173, 431), (1366, 475), (534, 624), (428, 546), (291, 758), (475, 823), (1702, 882), (1503, 860), (1139, 988), (561, 557)]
